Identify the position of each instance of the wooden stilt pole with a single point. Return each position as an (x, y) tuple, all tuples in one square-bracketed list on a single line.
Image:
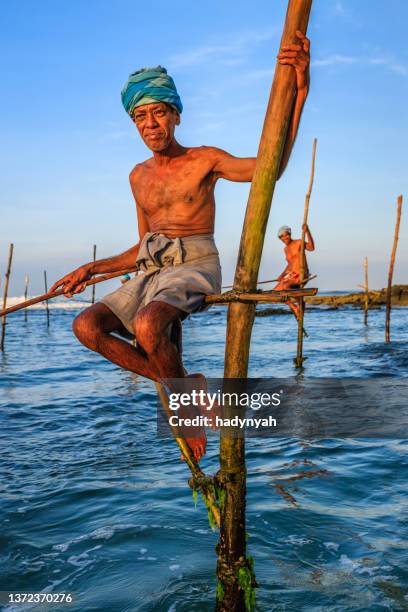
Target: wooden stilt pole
[(299, 359), (26, 283), (391, 270), (6, 286), (234, 569), (299, 353), (46, 303), (366, 290), (94, 286)]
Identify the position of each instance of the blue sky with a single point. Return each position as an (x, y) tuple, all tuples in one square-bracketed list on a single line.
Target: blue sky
[(67, 145)]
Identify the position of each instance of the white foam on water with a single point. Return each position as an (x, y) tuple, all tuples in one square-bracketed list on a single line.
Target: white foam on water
[(345, 561), (81, 560), (101, 533), (331, 546), (57, 303), (61, 547), (297, 540)]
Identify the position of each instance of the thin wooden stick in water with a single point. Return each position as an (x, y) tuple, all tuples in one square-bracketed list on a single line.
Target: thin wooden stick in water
[(366, 291), (306, 213), (26, 283), (299, 352), (6, 286), (50, 296), (93, 288), (391, 270), (46, 303)]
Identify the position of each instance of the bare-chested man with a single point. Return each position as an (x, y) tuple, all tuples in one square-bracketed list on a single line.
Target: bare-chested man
[(290, 277), (174, 194)]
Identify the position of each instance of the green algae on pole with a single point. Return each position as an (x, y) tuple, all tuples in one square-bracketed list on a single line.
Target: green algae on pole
[(234, 569), (6, 286), (391, 270), (299, 354)]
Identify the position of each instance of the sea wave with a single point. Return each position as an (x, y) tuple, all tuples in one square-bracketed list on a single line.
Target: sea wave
[(57, 303)]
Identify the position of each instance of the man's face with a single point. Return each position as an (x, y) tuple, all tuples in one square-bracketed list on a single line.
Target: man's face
[(286, 237), (156, 123)]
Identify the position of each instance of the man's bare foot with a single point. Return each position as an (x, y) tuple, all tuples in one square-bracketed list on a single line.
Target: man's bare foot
[(197, 445)]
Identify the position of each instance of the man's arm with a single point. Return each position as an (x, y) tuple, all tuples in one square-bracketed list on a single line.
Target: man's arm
[(309, 244), (238, 169), (297, 56), (282, 274), (75, 281), (241, 169)]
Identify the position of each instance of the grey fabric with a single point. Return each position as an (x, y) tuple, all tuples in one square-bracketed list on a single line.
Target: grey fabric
[(285, 229), (178, 271)]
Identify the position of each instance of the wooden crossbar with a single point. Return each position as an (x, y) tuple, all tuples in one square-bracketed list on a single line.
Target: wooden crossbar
[(263, 297)]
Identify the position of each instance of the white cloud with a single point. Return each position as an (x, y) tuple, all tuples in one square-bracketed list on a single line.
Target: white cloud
[(233, 52), (400, 69), (378, 60), (335, 59), (389, 63), (386, 61)]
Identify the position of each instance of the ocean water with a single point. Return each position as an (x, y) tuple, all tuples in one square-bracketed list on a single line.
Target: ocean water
[(94, 504)]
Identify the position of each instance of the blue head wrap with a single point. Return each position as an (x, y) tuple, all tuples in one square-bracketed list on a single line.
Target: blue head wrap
[(147, 86)]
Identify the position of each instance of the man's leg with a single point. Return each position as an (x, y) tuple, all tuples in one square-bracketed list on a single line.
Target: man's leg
[(152, 333), (151, 327), (94, 327), (159, 358), (282, 286)]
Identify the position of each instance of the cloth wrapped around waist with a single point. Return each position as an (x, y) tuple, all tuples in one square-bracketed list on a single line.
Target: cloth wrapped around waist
[(158, 251), (178, 271)]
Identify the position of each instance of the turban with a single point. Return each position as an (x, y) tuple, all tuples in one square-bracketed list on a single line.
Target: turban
[(285, 229), (147, 86)]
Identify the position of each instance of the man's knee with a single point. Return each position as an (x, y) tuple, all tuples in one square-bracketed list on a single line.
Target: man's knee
[(87, 328), (147, 332), (153, 324)]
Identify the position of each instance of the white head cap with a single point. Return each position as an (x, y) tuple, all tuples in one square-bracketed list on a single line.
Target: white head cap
[(285, 229)]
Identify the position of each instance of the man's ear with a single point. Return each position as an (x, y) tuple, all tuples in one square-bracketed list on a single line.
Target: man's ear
[(178, 118)]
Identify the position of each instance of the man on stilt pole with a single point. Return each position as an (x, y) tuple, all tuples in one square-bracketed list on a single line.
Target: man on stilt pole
[(174, 194), (291, 276)]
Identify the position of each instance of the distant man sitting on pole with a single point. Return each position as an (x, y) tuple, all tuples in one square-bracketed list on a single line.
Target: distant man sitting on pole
[(290, 277)]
